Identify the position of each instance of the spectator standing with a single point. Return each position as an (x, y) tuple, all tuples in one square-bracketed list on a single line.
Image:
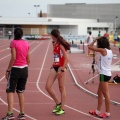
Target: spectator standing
[(106, 34), (99, 34), (17, 73), (89, 41), (9, 34)]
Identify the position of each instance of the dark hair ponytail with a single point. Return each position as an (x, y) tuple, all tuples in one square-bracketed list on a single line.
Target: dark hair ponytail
[(18, 33), (56, 34), (63, 42)]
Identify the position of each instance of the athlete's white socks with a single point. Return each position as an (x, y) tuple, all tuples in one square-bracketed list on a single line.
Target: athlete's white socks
[(107, 113), (97, 112)]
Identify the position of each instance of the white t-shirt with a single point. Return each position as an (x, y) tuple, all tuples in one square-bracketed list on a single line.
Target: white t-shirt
[(104, 65), (9, 32), (90, 40)]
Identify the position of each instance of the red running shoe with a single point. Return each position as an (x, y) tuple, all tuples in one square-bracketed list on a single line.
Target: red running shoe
[(103, 115), (92, 112)]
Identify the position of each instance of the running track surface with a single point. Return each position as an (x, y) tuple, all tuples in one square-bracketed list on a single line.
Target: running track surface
[(38, 104)]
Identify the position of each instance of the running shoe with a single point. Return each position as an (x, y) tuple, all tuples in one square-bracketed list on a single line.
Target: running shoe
[(60, 112), (92, 112), (57, 108), (103, 115), (21, 117), (9, 117)]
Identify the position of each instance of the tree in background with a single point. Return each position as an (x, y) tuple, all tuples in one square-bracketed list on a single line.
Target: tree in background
[(40, 13)]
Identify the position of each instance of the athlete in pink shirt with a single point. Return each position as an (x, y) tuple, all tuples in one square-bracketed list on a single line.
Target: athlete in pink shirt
[(17, 73), (22, 48)]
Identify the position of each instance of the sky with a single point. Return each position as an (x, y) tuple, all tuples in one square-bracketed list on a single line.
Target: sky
[(25, 8)]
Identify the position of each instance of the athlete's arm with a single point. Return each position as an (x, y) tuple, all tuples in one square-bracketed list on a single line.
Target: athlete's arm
[(28, 58), (94, 48), (13, 57), (65, 56)]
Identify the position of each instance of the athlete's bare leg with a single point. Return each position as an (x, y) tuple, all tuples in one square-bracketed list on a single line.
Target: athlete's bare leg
[(49, 83), (61, 82)]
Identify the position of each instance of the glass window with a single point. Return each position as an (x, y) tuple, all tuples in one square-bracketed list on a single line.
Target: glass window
[(89, 28), (95, 28), (101, 28)]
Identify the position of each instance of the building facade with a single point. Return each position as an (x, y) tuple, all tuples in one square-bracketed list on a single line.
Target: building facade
[(43, 26), (100, 12)]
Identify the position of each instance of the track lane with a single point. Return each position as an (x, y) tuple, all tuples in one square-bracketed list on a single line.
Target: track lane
[(41, 105)]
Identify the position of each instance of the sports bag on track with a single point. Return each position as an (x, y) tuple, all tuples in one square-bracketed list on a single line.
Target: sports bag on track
[(116, 79)]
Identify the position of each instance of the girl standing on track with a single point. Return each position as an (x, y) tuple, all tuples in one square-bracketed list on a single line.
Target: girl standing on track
[(17, 73), (103, 47), (89, 41), (58, 70)]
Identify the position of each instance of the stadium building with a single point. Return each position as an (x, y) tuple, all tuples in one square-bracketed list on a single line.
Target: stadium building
[(100, 12), (70, 19)]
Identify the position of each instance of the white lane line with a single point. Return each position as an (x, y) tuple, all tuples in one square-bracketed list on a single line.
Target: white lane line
[(9, 55), (36, 47), (1, 50), (4, 45), (17, 110), (37, 84), (2, 78), (87, 91), (5, 57)]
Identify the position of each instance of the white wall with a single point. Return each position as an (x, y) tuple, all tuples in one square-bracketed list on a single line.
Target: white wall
[(75, 26), (82, 28)]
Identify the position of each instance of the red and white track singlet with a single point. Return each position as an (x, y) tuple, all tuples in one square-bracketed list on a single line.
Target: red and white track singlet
[(58, 59)]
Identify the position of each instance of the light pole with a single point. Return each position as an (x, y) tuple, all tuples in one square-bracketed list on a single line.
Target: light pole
[(115, 21), (36, 9)]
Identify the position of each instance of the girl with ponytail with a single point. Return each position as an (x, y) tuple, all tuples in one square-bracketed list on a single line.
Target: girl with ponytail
[(58, 70)]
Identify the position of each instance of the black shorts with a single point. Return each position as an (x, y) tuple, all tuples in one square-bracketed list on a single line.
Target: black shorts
[(17, 80), (104, 78), (56, 68)]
